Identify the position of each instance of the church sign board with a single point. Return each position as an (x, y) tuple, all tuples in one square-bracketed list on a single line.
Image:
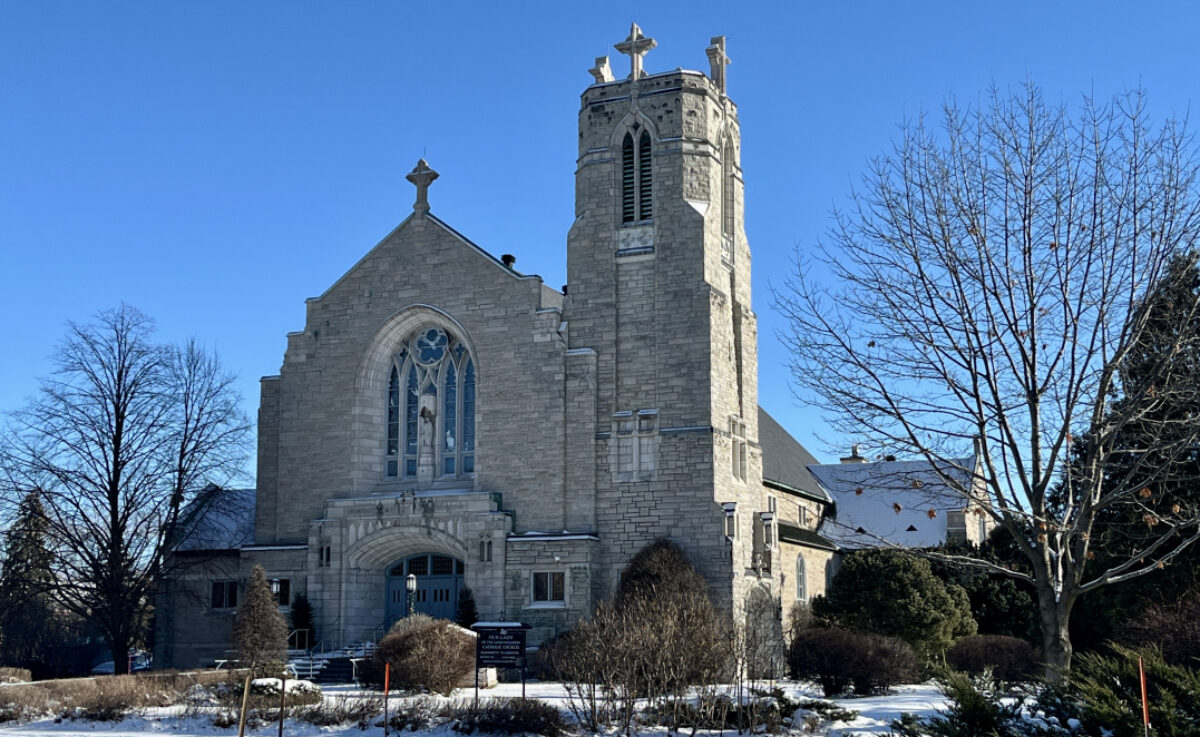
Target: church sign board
[(499, 645)]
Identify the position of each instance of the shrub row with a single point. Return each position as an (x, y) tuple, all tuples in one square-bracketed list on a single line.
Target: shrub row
[(838, 658), (1008, 659)]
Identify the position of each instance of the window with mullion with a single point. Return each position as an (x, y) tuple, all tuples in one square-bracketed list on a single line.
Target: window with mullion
[(435, 366), (450, 419), (637, 169)]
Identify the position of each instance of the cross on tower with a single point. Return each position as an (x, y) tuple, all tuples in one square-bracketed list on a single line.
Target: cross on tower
[(422, 175), (636, 46), (717, 60)]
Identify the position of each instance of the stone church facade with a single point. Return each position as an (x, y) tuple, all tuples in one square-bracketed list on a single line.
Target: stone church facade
[(468, 424)]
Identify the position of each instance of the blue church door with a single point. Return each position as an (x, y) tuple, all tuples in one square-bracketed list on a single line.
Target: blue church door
[(439, 579)]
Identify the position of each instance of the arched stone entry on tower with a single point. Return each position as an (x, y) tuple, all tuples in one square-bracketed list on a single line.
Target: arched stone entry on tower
[(439, 579)]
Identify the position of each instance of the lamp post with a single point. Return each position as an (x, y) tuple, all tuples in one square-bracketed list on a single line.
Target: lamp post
[(275, 589), (411, 584)]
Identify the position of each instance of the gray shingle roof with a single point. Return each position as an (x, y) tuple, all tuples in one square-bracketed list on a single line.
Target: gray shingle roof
[(785, 461), (217, 519), (892, 500), (800, 536)]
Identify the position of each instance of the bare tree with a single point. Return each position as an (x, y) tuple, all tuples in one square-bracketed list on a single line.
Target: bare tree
[(986, 287), (114, 439)]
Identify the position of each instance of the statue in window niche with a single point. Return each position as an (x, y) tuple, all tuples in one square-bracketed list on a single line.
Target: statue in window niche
[(426, 433)]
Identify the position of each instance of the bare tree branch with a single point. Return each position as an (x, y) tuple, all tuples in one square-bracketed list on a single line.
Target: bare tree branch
[(988, 284)]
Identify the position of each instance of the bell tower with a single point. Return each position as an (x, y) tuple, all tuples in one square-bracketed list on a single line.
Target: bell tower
[(658, 305)]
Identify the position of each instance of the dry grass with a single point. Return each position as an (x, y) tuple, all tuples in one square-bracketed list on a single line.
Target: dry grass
[(15, 675), (107, 698)]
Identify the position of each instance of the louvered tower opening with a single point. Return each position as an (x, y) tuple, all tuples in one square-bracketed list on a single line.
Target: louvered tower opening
[(628, 203), (644, 184)]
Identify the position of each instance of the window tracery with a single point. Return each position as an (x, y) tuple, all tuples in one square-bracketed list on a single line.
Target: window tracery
[(431, 408)]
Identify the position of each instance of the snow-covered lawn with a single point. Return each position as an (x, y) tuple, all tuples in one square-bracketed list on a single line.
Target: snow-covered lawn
[(875, 714)]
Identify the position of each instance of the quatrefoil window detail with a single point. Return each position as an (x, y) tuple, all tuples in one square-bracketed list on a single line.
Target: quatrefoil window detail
[(431, 346)]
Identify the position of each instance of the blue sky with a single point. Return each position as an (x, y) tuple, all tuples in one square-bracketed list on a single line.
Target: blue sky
[(216, 163)]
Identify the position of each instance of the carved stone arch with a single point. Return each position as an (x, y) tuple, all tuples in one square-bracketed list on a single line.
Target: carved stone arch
[(389, 544), (371, 383), (626, 126)]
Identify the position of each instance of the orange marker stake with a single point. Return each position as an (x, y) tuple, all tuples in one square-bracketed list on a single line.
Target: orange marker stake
[(1145, 701), (387, 677)]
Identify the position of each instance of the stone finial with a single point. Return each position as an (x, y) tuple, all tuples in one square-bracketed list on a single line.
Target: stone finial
[(422, 176), (717, 60), (602, 71), (636, 47)]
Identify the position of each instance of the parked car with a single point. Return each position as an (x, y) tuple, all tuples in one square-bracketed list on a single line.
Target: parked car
[(139, 660)]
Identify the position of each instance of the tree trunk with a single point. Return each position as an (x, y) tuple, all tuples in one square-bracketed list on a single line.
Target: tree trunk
[(120, 652), (1055, 613)]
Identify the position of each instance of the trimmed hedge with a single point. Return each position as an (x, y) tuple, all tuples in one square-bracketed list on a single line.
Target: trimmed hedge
[(838, 658), (1011, 659)]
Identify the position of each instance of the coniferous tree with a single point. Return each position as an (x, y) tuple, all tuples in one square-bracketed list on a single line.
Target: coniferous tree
[(1164, 476), (26, 615), (303, 619), (896, 594), (466, 614), (259, 631)]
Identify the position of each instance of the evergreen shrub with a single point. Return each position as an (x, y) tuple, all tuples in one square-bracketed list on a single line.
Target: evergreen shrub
[(972, 713), (896, 594), (1107, 689), (466, 613)]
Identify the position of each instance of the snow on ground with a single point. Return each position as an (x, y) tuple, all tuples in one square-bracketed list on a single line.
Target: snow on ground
[(875, 714)]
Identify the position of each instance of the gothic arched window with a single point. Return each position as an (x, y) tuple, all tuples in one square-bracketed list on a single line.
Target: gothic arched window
[(636, 178), (728, 196), (801, 580), (431, 407)]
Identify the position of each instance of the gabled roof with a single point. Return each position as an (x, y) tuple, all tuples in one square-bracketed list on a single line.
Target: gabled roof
[(217, 519), (785, 461), (903, 502)]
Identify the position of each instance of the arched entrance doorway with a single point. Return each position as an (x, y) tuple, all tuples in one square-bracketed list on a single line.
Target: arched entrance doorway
[(439, 579)]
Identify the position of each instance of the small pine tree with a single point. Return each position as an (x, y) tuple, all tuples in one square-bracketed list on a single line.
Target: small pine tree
[(303, 619), (895, 594), (26, 616), (259, 631), (467, 614)]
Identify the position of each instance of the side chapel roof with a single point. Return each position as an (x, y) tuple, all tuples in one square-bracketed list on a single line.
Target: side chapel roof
[(785, 462), (216, 520)]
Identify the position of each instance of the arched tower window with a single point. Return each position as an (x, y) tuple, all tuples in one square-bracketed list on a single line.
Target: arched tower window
[(728, 197), (431, 407), (727, 194), (636, 178), (801, 580)]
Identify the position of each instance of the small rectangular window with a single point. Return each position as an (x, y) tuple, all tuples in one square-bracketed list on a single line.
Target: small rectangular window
[(549, 587), (224, 594), (284, 597)]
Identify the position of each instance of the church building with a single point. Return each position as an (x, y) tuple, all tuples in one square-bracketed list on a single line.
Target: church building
[(469, 426)]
